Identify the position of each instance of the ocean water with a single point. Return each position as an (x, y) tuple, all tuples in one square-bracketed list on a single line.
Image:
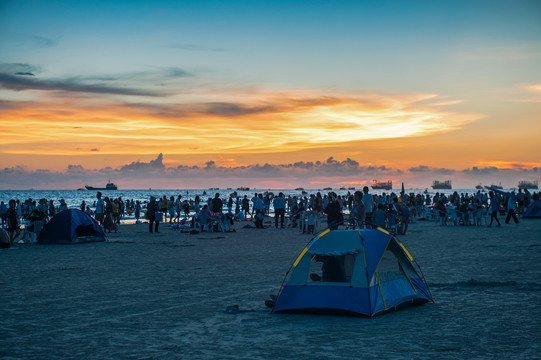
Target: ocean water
[(74, 198)]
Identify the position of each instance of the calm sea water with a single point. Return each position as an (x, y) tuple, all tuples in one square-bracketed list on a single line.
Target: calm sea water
[(74, 197)]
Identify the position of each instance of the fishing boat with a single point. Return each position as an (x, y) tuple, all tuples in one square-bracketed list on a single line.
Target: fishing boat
[(109, 186), (441, 184), (382, 185), (524, 184)]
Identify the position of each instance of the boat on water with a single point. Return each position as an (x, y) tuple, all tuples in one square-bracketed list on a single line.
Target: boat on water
[(351, 188), (524, 184), (327, 188), (299, 188), (382, 185), (479, 187), (243, 188), (109, 186), (495, 187), (441, 184), (343, 188)]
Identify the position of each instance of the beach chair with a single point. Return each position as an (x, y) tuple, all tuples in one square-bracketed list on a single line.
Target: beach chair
[(224, 223), (202, 222), (310, 222), (452, 215), (32, 236), (302, 220)]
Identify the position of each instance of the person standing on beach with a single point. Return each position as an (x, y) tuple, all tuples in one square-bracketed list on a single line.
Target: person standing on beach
[(511, 207), (109, 217), (279, 209), (368, 201), (152, 208), (318, 204), (245, 205), (99, 208), (357, 215), (334, 212), (494, 207), (13, 221), (137, 211), (217, 204)]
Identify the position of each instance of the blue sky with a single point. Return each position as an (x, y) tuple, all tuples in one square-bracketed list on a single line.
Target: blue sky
[(459, 76)]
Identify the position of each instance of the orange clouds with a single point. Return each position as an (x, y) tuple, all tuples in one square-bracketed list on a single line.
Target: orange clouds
[(245, 123)]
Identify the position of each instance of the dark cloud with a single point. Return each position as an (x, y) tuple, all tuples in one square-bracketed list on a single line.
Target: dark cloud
[(425, 169), (42, 41), (19, 69), (481, 171), (137, 166), (155, 171), (176, 72), (420, 168), (20, 83), (230, 109)]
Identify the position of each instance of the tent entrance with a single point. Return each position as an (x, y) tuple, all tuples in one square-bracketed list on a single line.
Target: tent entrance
[(331, 268)]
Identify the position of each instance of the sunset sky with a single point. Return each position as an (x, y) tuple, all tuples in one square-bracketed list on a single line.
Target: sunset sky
[(269, 94)]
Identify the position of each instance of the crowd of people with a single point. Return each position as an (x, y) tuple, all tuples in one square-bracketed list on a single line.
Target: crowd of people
[(389, 211)]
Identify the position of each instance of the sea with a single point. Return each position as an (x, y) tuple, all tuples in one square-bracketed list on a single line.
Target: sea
[(74, 198)]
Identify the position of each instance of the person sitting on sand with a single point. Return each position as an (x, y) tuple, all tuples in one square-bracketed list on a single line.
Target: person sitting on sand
[(332, 270), (378, 217)]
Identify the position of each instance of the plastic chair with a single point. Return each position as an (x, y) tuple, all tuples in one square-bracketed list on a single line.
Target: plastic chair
[(310, 222)]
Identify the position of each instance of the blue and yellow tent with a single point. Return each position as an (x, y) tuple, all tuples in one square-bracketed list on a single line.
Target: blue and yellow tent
[(533, 211), (352, 272)]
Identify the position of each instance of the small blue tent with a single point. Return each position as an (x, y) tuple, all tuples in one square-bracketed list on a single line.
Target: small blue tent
[(352, 272), (69, 227), (533, 211)]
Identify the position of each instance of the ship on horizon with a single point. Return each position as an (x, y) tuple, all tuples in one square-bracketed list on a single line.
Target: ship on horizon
[(382, 185), (109, 186), (525, 184), (441, 184)]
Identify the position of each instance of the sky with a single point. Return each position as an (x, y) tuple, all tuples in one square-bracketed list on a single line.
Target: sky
[(269, 94)]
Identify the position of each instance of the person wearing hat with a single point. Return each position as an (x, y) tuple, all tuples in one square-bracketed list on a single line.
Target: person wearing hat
[(152, 208)]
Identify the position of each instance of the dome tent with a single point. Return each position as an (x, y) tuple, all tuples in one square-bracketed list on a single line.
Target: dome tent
[(533, 211), (69, 227), (352, 272)]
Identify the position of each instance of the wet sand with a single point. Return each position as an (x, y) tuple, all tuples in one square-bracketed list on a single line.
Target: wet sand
[(163, 296)]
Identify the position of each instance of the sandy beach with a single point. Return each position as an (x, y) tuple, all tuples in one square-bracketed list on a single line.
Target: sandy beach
[(163, 296)]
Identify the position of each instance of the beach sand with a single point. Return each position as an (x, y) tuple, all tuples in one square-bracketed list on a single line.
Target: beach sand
[(163, 296)]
